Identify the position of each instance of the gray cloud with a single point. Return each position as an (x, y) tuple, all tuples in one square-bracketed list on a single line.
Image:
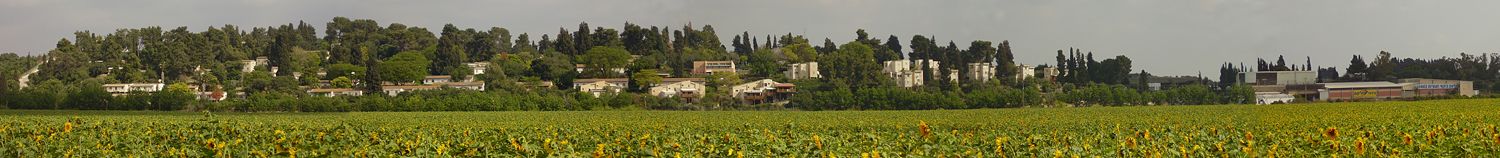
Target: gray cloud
[(1162, 36)]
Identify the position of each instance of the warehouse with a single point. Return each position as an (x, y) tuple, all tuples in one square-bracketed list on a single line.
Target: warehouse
[(1345, 91), (1436, 87)]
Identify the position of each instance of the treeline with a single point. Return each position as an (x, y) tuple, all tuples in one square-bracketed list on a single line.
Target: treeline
[(364, 54), (1483, 69)]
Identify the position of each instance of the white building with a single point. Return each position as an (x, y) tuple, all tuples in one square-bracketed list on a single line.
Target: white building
[(431, 80), (1048, 73), (686, 88), (397, 90), (1279, 77), (1263, 98), (476, 85), (980, 72), (126, 88), (250, 65), (1024, 71), (803, 71), (478, 67), (332, 92), (762, 91), (599, 87), (908, 73)]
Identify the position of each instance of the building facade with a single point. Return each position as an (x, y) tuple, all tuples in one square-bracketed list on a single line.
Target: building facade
[(599, 87), (1436, 87), (689, 89), (1345, 91), (712, 67), (126, 88), (981, 72), (803, 71), (908, 73), (1279, 77), (763, 91)]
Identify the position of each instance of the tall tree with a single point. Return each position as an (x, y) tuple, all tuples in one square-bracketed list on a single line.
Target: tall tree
[(450, 51), (1005, 61), (602, 61), (1357, 69), (404, 67), (854, 63), (894, 44)]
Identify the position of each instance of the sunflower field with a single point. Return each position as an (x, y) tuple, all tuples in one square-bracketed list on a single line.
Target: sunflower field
[(1442, 128)]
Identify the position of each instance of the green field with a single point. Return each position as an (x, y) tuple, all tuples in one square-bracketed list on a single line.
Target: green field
[(1461, 128)]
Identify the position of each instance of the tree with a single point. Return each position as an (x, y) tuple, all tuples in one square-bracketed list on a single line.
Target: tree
[(405, 67), (894, 44), (602, 61), (556, 67), (762, 63), (345, 70), (174, 97), (1383, 68), (723, 79), (1005, 61), (1357, 69), (523, 44), (89, 96), (450, 51), (342, 82), (853, 62), (799, 53), (645, 79)]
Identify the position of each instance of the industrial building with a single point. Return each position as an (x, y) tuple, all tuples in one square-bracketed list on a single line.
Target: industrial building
[(1436, 87), (1345, 91)]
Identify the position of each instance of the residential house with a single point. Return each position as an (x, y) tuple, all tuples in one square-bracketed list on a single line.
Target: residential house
[(980, 72), (250, 65), (712, 67), (599, 87), (763, 91), (431, 80), (475, 85), (803, 71), (1048, 73), (908, 73), (126, 88), (478, 67), (1024, 71), (394, 90), (332, 92), (689, 89)]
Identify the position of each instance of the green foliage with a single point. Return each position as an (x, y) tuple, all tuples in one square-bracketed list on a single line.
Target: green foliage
[(90, 96), (601, 61), (406, 67), (723, 79), (342, 82), (174, 97), (853, 63), (644, 79), (799, 53), (763, 63), (345, 70)]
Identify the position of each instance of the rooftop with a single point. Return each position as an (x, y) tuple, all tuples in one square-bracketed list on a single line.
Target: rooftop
[(1359, 85)]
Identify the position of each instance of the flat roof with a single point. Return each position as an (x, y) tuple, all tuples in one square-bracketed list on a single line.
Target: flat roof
[(1337, 85)]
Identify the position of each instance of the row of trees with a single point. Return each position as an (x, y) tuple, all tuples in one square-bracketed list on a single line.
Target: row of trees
[(363, 54), (1483, 69)]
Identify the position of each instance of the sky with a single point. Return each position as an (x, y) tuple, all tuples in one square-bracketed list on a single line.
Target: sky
[(1163, 37)]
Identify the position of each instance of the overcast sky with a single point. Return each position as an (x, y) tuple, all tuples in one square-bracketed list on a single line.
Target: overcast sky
[(1165, 37)]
